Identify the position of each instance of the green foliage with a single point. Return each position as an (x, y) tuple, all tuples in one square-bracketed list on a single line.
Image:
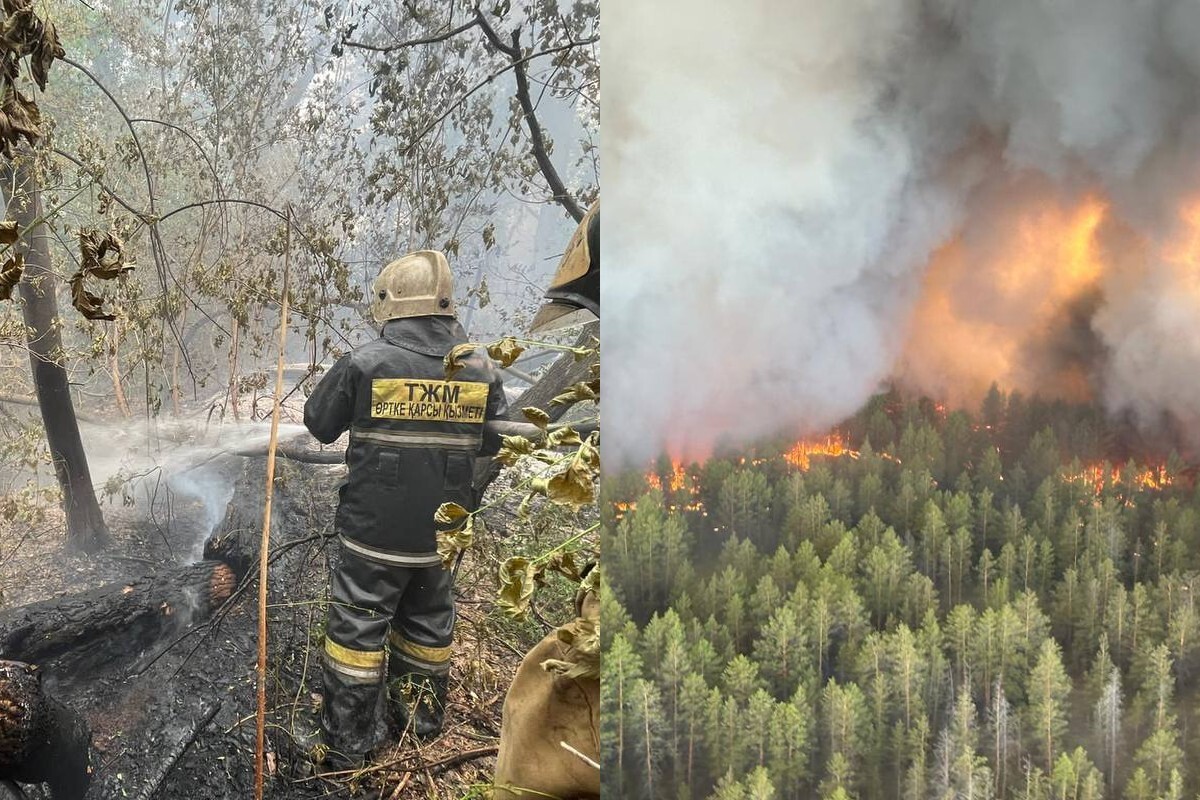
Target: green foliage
[(965, 620)]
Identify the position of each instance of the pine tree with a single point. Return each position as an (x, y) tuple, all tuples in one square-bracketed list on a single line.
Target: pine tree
[(782, 650), (844, 715), (647, 739), (1048, 690), (1109, 707), (789, 745), (962, 773), (622, 668)]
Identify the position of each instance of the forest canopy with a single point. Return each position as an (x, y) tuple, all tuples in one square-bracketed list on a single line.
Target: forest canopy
[(926, 603)]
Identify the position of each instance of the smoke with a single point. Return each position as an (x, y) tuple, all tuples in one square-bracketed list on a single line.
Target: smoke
[(806, 201), (191, 459)]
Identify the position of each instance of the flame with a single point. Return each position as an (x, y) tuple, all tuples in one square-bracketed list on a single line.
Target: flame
[(1006, 311), (678, 480), (801, 453), (1101, 475)]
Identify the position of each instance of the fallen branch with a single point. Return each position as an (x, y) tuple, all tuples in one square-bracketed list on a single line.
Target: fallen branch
[(207, 712), (32, 401), (417, 766), (114, 621)]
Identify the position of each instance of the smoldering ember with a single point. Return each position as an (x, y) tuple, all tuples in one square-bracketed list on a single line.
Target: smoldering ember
[(299, 419)]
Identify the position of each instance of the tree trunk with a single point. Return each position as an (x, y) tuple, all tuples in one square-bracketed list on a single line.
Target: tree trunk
[(88, 632), (86, 530), (233, 370), (118, 389), (176, 403)]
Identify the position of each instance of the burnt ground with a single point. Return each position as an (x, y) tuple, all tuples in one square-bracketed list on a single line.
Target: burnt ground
[(174, 717)]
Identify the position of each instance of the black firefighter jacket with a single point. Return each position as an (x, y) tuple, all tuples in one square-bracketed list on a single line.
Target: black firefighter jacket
[(414, 435)]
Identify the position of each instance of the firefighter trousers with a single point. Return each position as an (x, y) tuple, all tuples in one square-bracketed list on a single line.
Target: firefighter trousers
[(385, 622)]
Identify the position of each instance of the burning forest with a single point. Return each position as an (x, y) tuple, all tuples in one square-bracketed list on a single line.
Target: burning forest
[(1021, 576), (920, 383)]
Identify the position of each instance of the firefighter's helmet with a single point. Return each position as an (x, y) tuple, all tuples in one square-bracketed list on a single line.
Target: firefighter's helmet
[(574, 294), (415, 285)]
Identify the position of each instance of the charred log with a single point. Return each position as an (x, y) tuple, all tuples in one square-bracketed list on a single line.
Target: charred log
[(41, 740), (114, 622)]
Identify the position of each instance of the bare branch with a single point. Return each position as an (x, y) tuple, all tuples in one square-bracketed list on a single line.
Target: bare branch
[(195, 141), (537, 139), (467, 95), (107, 190), (412, 42)]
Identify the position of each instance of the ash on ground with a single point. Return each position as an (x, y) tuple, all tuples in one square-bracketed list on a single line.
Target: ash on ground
[(176, 718)]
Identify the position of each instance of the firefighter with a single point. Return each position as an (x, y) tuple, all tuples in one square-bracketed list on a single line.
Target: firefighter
[(414, 435), (574, 293)]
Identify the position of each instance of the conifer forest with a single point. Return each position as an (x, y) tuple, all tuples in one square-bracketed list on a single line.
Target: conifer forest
[(995, 603)]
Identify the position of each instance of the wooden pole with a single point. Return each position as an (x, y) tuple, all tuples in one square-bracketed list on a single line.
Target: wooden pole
[(260, 722)]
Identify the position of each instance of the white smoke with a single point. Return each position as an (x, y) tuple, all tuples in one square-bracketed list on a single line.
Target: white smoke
[(196, 461), (779, 174)]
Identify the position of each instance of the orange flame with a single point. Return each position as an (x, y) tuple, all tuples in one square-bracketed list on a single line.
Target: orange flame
[(987, 308), (678, 478), (801, 453), (1099, 476)]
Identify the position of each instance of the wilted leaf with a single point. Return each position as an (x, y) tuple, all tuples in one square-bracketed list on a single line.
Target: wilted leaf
[(9, 233), (506, 351), (489, 237), (45, 51), (512, 448), (524, 509), (563, 437), (589, 452), (447, 513), (591, 582), (582, 640), (453, 362), (10, 275), (518, 578), (452, 542), (19, 117), (579, 392), (85, 302), (573, 481), (564, 564), (536, 416), (101, 254), (483, 293)]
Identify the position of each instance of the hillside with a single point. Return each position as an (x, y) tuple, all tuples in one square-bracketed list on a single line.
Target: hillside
[(922, 604)]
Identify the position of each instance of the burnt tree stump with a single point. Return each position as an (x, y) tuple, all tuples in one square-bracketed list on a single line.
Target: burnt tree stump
[(41, 740), (295, 504)]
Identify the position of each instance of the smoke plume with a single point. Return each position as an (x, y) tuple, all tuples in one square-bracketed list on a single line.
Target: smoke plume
[(805, 201)]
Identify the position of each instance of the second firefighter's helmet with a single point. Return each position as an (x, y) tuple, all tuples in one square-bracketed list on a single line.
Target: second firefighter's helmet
[(415, 285), (574, 294)]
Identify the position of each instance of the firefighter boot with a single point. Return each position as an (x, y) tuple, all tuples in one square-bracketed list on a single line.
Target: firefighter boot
[(429, 701), (419, 702), (397, 705)]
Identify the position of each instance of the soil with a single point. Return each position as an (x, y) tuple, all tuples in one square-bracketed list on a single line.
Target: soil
[(176, 719)]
